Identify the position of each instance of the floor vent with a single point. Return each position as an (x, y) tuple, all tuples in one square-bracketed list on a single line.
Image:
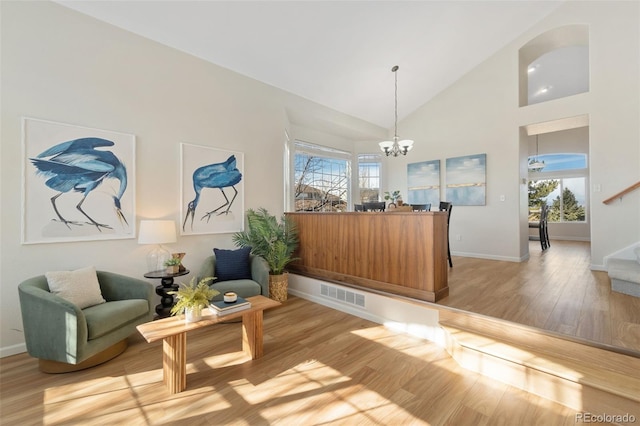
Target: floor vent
[(342, 295)]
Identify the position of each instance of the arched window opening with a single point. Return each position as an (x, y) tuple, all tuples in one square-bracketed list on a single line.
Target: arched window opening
[(554, 65)]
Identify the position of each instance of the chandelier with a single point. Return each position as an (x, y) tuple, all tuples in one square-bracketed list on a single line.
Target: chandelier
[(396, 147), (535, 165)]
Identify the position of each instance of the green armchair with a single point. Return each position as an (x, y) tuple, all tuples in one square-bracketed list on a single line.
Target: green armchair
[(257, 285), (66, 338)]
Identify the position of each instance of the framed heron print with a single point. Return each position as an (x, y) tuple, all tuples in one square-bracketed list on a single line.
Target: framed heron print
[(78, 183), (212, 190)]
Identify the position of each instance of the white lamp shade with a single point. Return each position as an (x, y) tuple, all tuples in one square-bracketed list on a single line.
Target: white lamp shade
[(386, 145), (157, 232), (407, 143)]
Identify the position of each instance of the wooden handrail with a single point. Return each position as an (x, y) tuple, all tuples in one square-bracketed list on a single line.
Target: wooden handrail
[(622, 193)]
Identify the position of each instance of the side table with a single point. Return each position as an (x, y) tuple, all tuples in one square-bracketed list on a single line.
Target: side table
[(166, 300)]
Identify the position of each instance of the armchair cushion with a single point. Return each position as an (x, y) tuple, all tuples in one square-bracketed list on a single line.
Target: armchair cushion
[(107, 317), (232, 264), (80, 287)]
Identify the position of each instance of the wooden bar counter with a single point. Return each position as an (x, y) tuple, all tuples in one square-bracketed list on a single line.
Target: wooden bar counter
[(403, 253)]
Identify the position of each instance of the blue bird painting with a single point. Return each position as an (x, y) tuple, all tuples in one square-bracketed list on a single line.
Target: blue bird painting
[(77, 166), (217, 175)]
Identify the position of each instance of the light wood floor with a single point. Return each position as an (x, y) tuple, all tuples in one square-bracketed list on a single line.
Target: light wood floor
[(321, 367), (555, 290)]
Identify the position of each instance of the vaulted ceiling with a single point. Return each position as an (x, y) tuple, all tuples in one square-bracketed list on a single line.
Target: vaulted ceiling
[(336, 53)]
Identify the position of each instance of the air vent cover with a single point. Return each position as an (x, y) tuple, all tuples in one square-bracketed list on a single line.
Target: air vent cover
[(342, 295)]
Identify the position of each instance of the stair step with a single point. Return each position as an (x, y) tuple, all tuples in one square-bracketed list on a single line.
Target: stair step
[(579, 376)]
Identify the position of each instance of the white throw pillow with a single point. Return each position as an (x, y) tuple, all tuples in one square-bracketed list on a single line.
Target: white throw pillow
[(79, 287)]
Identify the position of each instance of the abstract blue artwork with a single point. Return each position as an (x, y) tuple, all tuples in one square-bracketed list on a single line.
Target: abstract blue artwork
[(78, 183), (467, 180), (423, 182), (212, 190)]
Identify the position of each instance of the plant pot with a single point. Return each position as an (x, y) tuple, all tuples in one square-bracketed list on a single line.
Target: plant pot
[(193, 314), (173, 269), (278, 285)]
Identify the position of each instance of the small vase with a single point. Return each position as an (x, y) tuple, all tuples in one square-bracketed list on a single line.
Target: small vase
[(193, 314)]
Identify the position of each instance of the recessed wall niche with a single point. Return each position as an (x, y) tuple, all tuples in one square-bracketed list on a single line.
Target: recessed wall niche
[(554, 65)]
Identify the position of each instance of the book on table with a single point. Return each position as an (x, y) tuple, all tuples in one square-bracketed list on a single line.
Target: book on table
[(222, 308)]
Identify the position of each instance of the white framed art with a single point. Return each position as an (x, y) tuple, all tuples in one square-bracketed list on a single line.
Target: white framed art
[(212, 190), (78, 183)]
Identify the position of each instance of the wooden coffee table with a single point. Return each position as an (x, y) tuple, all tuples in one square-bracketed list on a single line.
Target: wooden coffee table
[(173, 332)]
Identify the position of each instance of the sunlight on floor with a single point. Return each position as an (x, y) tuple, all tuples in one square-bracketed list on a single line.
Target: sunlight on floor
[(220, 361), (536, 373), (318, 393)]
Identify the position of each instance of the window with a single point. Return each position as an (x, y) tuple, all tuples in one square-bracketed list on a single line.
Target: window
[(369, 177), (566, 199), (560, 162), (321, 178), (562, 186)]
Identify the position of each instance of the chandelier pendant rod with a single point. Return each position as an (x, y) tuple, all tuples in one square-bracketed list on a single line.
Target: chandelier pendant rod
[(395, 130), (396, 147)]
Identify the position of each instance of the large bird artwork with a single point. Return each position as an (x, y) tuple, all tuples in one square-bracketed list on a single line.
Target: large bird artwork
[(77, 166), (217, 175)]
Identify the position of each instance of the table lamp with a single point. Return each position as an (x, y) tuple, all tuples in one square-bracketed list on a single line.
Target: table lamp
[(157, 232)]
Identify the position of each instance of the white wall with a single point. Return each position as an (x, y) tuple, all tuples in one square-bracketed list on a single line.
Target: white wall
[(62, 66), (480, 114)]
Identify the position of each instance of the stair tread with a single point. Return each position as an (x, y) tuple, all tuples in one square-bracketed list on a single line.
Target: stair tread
[(616, 373), (554, 345)]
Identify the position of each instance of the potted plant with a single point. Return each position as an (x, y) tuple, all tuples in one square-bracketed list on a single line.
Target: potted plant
[(395, 197), (274, 241), (173, 265), (191, 298)]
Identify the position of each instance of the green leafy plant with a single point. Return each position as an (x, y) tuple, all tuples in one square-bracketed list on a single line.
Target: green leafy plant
[(393, 196), (192, 295), (174, 261), (273, 240)]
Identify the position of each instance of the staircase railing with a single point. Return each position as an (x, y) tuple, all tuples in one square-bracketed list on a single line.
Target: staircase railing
[(622, 193)]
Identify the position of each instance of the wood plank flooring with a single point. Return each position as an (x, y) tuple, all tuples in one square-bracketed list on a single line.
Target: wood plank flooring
[(321, 367), (555, 290)]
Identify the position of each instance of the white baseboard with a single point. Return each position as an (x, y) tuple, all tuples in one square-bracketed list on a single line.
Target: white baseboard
[(489, 257), (13, 350), (407, 317), (568, 238)]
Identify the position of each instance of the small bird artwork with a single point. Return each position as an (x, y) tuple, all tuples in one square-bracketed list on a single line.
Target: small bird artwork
[(77, 166), (217, 175)]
